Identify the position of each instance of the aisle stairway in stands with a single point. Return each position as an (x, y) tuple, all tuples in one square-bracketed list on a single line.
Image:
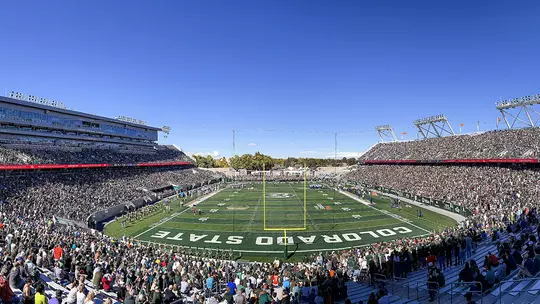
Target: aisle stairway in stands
[(413, 289)]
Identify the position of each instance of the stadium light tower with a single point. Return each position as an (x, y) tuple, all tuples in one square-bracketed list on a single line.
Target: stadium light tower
[(435, 126), (525, 104), (386, 132), (166, 130)]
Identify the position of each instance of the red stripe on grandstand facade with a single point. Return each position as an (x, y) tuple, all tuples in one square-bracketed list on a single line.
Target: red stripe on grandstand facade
[(470, 161), (72, 166), (493, 160), (405, 161)]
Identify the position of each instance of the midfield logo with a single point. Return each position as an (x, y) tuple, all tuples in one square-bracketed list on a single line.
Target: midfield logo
[(280, 195)]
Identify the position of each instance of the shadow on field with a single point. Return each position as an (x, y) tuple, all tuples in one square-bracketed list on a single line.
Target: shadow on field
[(290, 255)]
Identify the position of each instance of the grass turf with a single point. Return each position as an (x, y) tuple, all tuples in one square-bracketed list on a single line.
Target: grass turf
[(234, 219)]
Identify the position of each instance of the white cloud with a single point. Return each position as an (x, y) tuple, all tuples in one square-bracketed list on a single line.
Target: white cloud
[(308, 152), (213, 154), (252, 144)]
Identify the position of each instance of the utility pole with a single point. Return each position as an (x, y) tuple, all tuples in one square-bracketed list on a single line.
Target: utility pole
[(233, 143)]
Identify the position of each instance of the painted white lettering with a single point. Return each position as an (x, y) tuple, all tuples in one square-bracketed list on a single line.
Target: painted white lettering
[(281, 240), (332, 239), (264, 240), (176, 237), (196, 238), (307, 240), (214, 240), (160, 234), (234, 240), (386, 232), (402, 230), (373, 234), (351, 237)]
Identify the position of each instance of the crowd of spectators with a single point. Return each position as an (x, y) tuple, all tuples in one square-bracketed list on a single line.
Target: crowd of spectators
[(256, 177), (31, 154), (74, 194), (136, 273), (491, 192), (502, 198), (520, 143)]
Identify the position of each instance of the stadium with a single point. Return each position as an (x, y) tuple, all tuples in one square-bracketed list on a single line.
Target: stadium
[(286, 152), (380, 223)]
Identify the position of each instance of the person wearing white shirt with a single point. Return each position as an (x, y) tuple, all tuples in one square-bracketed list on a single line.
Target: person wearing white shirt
[(80, 294)]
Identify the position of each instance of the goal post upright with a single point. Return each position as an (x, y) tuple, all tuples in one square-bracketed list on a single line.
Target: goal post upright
[(305, 198), (264, 198), (284, 228)]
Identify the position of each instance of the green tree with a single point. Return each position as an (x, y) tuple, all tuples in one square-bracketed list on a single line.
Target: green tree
[(221, 163), (210, 162), (246, 162), (235, 162)]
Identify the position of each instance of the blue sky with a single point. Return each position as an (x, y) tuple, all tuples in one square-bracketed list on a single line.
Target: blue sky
[(285, 74)]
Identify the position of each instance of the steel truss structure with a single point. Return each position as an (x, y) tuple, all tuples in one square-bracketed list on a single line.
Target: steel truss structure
[(520, 110), (386, 132), (434, 126)]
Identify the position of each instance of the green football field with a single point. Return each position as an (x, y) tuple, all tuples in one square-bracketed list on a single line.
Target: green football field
[(245, 221)]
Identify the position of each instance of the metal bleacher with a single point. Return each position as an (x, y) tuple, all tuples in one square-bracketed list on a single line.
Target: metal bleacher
[(413, 289)]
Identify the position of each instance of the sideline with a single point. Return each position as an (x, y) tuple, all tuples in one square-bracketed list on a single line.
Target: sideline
[(191, 204), (369, 205), (458, 217)]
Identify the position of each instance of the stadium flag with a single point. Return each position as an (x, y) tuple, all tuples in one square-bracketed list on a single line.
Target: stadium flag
[(498, 121), (176, 187), (54, 219)]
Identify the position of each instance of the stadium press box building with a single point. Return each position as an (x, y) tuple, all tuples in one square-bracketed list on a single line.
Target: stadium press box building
[(27, 121)]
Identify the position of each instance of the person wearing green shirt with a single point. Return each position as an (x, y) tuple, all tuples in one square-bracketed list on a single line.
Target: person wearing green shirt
[(264, 297), (157, 298), (228, 296)]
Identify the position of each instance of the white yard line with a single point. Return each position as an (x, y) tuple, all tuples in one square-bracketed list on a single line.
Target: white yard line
[(367, 204), (308, 215), (248, 227), (458, 217), (202, 199)]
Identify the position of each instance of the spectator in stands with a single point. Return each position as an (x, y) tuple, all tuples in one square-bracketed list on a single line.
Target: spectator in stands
[(468, 297), (39, 296), (466, 274), (57, 299), (17, 275), (90, 298), (81, 294), (28, 297)]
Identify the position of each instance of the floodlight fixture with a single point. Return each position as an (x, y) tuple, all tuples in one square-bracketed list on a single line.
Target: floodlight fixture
[(386, 132), (520, 110)]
